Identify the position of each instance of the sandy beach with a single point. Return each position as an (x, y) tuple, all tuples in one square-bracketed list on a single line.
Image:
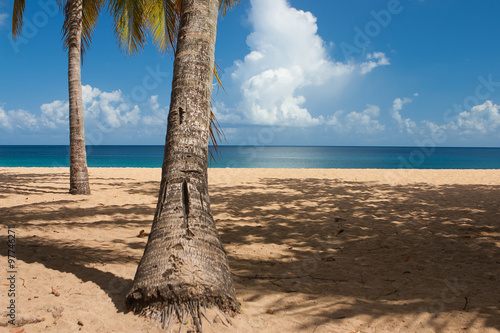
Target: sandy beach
[(311, 250)]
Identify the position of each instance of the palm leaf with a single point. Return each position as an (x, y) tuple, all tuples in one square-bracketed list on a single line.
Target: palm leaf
[(215, 129), (129, 23), (91, 11), (17, 17), (225, 5), (163, 19)]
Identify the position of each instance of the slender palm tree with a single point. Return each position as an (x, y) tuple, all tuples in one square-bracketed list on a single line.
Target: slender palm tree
[(162, 18), (184, 267), (80, 20)]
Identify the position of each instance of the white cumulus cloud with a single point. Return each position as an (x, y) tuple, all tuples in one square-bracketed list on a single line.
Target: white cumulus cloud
[(482, 119), (54, 114), (4, 119), (106, 111), (17, 119), (286, 54)]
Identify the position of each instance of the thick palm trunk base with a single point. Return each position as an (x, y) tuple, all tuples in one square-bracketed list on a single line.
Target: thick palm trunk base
[(184, 267), (184, 312)]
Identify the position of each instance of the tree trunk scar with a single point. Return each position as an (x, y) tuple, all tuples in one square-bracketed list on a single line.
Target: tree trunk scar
[(181, 115), (161, 200), (201, 202), (185, 205), (185, 201)]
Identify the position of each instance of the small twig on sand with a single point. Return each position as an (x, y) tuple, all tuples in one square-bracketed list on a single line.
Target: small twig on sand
[(466, 303)]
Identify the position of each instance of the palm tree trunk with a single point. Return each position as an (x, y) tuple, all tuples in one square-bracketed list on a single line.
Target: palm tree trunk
[(184, 265), (79, 180)]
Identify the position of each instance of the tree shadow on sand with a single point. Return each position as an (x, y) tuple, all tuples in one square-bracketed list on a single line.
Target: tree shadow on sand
[(37, 183), (40, 227), (361, 248), (407, 250), (32, 183), (78, 260)]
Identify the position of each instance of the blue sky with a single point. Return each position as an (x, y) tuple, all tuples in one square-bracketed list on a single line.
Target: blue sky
[(297, 72)]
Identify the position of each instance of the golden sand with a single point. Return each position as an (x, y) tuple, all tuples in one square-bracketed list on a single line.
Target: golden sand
[(337, 250)]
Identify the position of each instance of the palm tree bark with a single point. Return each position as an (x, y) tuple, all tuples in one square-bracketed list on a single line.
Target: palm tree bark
[(184, 265), (79, 180)]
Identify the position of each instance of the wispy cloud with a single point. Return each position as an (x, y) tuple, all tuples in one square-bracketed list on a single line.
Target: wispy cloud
[(375, 59), (404, 125), (109, 112), (481, 121), (3, 19), (358, 122), (158, 116)]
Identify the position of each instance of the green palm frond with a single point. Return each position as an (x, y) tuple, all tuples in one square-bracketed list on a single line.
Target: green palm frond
[(164, 16), (163, 20), (225, 5), (64, 5), (17, 17), (91, 11), (129, 23)]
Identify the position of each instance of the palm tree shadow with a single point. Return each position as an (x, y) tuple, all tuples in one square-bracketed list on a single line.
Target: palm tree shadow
[(34, 183), (42, 214), (67, 257), (76, 257), (402, 250), (361, 248)]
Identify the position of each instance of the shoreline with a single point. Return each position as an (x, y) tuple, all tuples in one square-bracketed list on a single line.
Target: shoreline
[(386, 176)]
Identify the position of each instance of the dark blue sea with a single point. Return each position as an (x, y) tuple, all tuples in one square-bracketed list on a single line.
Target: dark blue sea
[(265, 157)]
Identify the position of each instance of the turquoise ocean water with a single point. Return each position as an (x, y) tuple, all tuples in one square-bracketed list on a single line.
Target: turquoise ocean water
[(265, 157)]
